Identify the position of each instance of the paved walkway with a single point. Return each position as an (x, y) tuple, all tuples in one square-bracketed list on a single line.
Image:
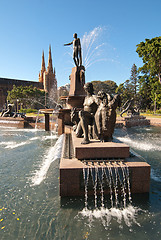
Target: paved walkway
[(154, 121)]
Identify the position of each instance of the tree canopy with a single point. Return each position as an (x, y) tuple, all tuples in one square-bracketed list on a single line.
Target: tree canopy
[(130, 88), (150, 52), (29, 96), (108, 86)]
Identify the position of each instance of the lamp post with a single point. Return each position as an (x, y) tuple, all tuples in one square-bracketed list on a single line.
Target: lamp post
[(17, 104)]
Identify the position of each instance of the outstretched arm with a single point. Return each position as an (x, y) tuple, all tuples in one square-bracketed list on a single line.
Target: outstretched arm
[(68, 43)]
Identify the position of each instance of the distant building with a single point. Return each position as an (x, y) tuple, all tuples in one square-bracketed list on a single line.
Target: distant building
[(48, 77), (6, 84), (47, 82)]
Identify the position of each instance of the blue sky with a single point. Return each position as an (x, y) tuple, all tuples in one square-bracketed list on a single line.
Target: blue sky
[(27, 28)]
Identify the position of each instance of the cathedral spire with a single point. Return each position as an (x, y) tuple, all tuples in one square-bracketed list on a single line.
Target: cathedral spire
[(50, 65), (43, 69), (43, 63)]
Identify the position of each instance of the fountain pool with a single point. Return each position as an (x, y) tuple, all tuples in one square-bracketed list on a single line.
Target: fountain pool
[(30, 206)]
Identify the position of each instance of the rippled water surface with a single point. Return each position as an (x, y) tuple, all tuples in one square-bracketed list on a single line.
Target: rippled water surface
[(30, 206)]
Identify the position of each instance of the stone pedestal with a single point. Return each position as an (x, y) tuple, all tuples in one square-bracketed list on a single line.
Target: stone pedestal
[(77, 81), (76, 93), (99, 150), (71, 168), (63, 118)]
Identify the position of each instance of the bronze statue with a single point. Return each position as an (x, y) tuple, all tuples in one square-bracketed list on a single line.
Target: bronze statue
[(98, 118), (86, 116), (130, 108), (8, 112), (102, 114), (77, 55), (105, 116)]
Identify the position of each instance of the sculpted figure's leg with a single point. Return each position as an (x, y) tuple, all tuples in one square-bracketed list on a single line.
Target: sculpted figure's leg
[(79, 130), (95, 129), (77, 57), (80, 58), (84, 124), (91, 132), (74, 58)]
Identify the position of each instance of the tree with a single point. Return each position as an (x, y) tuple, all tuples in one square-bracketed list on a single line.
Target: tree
[(108, 86), (120, 89), (145, 91), (30, 96), (155, 93), (129, 89), (124, 90), (134, 80), (150, 52)]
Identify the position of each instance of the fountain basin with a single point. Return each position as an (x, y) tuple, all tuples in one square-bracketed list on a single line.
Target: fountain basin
[(133, 121), (71, 169), (13, 122)]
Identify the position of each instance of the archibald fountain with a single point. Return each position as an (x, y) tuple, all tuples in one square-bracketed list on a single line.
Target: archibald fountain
[(92, 161), (101, 170), (89, 151)]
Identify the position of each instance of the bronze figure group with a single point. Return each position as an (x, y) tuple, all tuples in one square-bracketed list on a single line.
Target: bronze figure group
[(97, 119)]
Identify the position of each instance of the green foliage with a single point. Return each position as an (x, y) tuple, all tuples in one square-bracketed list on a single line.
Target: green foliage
[(134, 80), (150, 88), (129, 89), (145, 91), (150, 52), (28, 97), (29, 110), (158, 111), (123, 90), (108, 86), (155, 93), (149, 112), (120, 89)]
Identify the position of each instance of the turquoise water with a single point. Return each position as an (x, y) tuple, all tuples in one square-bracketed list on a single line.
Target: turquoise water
[(30, 206)]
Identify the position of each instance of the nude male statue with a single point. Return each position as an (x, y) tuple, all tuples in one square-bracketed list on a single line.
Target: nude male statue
[(77, 55), (87, 115)]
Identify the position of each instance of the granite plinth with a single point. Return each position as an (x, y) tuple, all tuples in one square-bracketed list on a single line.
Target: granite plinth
[(76, 92), (77, 81), (99, 150), (72, 182), (71, 173), (73, 101)]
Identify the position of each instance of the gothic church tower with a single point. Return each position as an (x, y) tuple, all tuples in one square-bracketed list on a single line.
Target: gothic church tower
[(43, 69), (48, 77)]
